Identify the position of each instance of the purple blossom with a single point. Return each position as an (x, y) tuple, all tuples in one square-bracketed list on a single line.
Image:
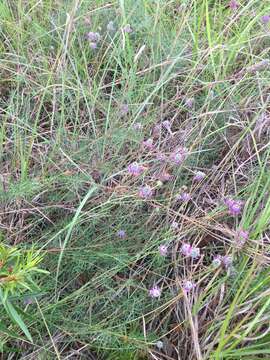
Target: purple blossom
[(227, 261), (121, 234), (186, 249), (145, 192), (137, 126), (148, 144), (163, 250), (265, 19), (217, 261), (233, 4), (160, 156), (179, 155), (199, 176), (155, 292), (194, 252), (93, 37), (241, 237), (93, 45), (174, 225), (184, 196), (110, 26), (188, 285), (135, 169), (189, 102), (127, 29), (234, 206)]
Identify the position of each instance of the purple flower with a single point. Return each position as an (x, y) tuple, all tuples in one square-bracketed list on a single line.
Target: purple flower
[(93, 45), (155, 292), (160, 156), (148, 144), (163, 250), (217, 261), (145, 192), (227, 261), (188, 285), (179, 155), (137, 126), (265, 19), (199, 176), (93, 37), (189, 102), (110, 26), (241, 237), (234, 206), (233, 4), (184, 196), (121, 234), (194, 252), (186, 249), (127, 29), (135, 169), (174, 225), (124, 109), (167, 125)]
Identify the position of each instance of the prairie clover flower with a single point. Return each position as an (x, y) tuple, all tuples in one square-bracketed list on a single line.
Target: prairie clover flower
[(265, 19), (190, 251), (217, 261), (93, 37), (199, 176), (233, 4), (145, 192), (155, 292), (160, 156), (234, 206), (163, 250), (121, 234), (127, 29), (227, 261), (194, 252), (241, 237), (159, 344), (135, 169), (110, 26), (179, 155), (184, 196), (189, 102), (188, 285), (148, 144), (137, 126), (174, 225)]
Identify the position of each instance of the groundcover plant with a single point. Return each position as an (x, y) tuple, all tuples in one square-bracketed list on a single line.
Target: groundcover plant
[(134, 179)]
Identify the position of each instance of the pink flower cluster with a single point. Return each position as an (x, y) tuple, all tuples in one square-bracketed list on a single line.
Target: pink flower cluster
[(225, 261), (135, 169), (234, 206), (190, 251), (184, 196), (179, 155)]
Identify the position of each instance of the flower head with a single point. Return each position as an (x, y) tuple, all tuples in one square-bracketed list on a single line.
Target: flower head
[(184, 196), (137, 126), (186, 249), (199, 176), (155, 292), (217, 261), (265, 19), (163, 250), (227, 261), (233, 4), (194, 252), (135, 169), (167, 125), (93, 45), (121, 234), (174, 225), (145, 192), (110, 26), (148, 144), (234, 206), (188, 285), (189, 102), (241, 237), (160, 156), (127, 29), (93, 36), (179, 155)]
